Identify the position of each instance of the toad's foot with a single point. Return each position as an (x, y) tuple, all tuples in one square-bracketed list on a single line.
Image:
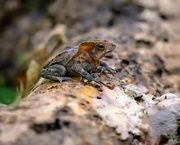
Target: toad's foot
[(104, 67), (95, 83), (60, 79), (107, 68)]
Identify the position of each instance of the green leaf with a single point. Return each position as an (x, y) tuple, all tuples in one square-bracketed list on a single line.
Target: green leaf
[(7, 95)]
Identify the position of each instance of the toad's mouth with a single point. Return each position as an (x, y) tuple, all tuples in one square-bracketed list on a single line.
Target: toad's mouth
[(103, 54)]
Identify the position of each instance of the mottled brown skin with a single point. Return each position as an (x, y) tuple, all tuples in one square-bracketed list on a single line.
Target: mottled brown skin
[(79, 61)]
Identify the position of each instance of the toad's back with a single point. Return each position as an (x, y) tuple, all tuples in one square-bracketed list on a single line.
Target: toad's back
[(62, 57)]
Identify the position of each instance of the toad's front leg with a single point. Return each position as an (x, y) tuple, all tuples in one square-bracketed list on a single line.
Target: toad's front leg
[(104, 67), (85, 74)]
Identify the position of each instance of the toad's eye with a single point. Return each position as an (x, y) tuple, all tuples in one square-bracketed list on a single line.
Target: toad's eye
[(101, 46)]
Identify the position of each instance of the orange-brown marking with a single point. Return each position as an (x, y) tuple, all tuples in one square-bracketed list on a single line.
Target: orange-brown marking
[(86, 47)]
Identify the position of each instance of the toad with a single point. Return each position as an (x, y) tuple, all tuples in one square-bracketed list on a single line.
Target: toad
[(79, 61)]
